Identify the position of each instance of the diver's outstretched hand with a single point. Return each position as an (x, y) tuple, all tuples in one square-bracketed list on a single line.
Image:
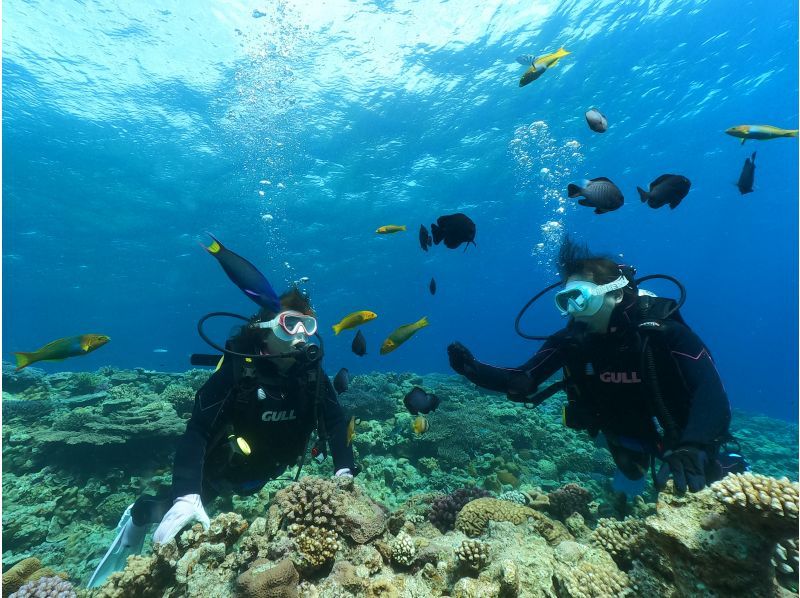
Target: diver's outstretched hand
[(461, 359), (687, 466), (184, 511)]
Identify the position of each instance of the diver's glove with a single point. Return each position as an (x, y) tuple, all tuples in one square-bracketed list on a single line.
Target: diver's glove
[(461, 359), (686, 465), (185, 510)]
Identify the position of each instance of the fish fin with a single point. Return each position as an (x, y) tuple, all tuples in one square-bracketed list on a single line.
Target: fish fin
[(602, 178), (337, 328), (675, 203), (436, 233), (743, 140), (219, 363), (791, 133), (574, 190), (24, 359), (660, 180), (215, 246), (600, 211), (586, 202), (643, 194), (753, 158)]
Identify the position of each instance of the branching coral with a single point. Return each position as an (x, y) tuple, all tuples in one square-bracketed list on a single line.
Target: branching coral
[(569, 499), (473, 554), (316, 545), (46, 587), (403, 550), (620, 539), (751, 494), (311, 501)]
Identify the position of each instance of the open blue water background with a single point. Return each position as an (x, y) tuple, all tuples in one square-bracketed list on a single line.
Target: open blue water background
[(292, 130)]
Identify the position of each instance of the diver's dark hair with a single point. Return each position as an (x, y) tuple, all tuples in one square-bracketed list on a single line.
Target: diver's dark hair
[(293, 299), (575, 258)]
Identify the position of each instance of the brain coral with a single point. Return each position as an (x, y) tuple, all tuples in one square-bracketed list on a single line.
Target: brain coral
[(475, 515)]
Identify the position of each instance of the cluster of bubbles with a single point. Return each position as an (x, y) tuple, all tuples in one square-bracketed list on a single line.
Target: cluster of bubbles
[(544, 168), (264, 117)]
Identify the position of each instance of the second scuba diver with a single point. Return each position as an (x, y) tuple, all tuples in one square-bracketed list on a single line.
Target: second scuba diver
[(632, 369), (251, 420)]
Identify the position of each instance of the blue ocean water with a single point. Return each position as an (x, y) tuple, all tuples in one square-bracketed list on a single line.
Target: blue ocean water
[(292, 130)]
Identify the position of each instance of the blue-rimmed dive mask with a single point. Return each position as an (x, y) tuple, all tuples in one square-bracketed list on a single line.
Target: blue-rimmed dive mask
[(583, 298)]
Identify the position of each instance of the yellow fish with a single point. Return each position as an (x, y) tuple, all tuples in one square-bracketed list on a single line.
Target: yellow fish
[(354, 319), (401, 335), (419, 425), (540, 64), (351, 429), (390, 228), (62, 348), (760, 132)]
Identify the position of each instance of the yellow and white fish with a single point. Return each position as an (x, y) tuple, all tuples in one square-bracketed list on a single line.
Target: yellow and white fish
[(759, 132)]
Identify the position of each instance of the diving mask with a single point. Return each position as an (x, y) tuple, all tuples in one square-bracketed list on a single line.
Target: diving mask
[(290, 325), (584, 298)]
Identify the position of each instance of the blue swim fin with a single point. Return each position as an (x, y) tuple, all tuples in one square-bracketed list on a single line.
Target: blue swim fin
[(129, 541)]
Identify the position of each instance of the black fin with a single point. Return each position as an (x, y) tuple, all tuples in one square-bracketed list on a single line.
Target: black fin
[(602, 178), (574, 190), (643, 195), (437, 234), (660, 180)]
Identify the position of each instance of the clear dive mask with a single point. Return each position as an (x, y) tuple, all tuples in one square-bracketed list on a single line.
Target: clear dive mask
[(290, 325), (584, 298)]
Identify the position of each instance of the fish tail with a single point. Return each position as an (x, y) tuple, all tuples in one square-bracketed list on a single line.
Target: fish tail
[(642, 194), (402, 227), (573, 190), (337, 328), (215, 246), (423, 321), (24, 359), (791, 133)]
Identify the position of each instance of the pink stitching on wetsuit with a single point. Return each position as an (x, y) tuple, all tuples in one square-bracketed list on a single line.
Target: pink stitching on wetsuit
[(699, 355)]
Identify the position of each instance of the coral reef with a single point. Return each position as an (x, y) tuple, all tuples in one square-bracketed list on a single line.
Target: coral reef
[(473, 554), (569, 499), (444, 509), (46, 587), (391, 531)]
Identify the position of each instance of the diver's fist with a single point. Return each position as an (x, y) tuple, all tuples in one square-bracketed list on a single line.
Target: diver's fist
[(461, 359)]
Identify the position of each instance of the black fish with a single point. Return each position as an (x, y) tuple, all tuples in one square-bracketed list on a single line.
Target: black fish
[(432, 286), (341, 381), (596, 120), (666, 189), (418, 401), (600, 193), (359, 345), (453, 229), (425, 240), (745, 183)]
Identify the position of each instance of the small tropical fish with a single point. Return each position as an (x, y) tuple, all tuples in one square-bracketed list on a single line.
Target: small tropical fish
[(425, 240), (390, 228), (160, 350), (596, 120), (354, 319), (244, 275), (760, 132), (418, 401), (401, 335), (351, 430), (666, 189), (600, 194), (540, 64), (432, 287), (419, 425), (341, 381), (359, 345), (747, 176), (454, 229), (71, 346)]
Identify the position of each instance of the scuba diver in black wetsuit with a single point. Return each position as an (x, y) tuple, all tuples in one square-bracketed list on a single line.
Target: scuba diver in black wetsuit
[(632, 369), (251, 420)]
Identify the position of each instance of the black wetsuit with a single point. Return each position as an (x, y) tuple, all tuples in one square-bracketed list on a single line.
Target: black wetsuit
[(610, 387), (276, 426)]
